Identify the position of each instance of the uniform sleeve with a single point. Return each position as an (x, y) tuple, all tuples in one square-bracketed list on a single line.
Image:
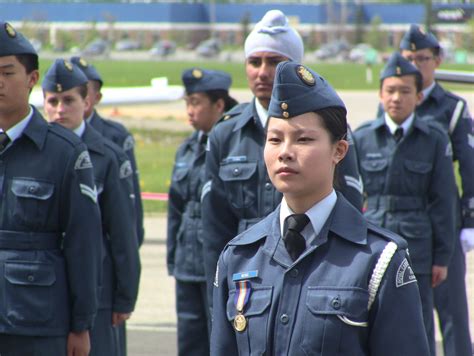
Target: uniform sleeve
[(81, 224), (176, 206), (396, 320), (119, 226), (223, 341), (219, 222), (349, 179), (442, 202), (128, 147), (462, 139)]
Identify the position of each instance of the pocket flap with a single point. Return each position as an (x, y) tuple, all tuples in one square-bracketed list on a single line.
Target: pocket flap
[(237, 171), (30, 273), (418, 166), (180, 173), (28, 188), (349, 302), (259, 301), (374, 165)]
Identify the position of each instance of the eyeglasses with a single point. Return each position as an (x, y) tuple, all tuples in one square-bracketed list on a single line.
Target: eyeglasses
[(419, 59)]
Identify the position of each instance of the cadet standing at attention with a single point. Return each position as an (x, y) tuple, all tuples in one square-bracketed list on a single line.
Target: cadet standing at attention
[(239, 192), (49, 220), (65, 100), (206, 98), (452, 114), (313, 277), (406, 167), (113, 131)]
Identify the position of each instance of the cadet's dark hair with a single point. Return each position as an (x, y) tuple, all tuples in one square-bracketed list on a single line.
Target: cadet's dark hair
[(418, 82), (335, 121), (436, 51), (29, 61), (96, 84), (214, 95), (82, 89)]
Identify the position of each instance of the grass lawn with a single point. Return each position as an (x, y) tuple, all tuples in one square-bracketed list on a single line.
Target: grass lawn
[(343, 76)]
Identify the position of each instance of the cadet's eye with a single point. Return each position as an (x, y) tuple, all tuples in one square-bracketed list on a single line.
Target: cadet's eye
[(255, 62), (273, 139), (305, 139)]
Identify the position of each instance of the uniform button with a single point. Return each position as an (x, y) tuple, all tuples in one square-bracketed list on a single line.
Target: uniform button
[(294, 273), (236, 171), (268, 186), (336, 303), (284, 319), (31, 278), (32, 189)]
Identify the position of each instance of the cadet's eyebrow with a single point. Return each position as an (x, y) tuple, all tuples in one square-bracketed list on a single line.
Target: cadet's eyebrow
[(5, 66)]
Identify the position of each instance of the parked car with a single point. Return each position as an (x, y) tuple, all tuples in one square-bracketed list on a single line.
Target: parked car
[(163, 48), (127, 45), (358, 53), (208, 48), (96, 48), (332, 50)]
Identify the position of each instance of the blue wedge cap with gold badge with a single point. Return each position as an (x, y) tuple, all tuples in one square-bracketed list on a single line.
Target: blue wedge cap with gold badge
[(415, 39), (298, 90), (398, 66), (197, 80), (13, 42), (87, 68), (62, 76)]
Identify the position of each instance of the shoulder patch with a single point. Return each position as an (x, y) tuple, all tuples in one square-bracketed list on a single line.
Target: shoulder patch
[(405, 274), (83, 161), (126, 169), (129, 143), (89, 192)]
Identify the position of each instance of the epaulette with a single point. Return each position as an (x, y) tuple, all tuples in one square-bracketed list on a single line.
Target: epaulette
[(387, 235), (363, 125), (236, 110)]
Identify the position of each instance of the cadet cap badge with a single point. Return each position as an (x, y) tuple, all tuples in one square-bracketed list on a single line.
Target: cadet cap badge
[(10, 30), (305, 75), (68, 65), (83, 62), (197, 73)]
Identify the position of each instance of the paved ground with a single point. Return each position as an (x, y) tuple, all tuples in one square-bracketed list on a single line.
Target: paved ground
[(152, 329)]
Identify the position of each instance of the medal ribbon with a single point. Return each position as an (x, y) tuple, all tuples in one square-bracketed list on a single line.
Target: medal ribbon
[(242, 294)]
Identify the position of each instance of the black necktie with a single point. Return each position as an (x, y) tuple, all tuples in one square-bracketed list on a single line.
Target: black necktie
[(398, 134), (294, 242), (4, 140), (202, 144)]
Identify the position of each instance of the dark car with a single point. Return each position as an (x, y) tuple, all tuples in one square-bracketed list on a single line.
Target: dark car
[(96, 48), (127, 45)]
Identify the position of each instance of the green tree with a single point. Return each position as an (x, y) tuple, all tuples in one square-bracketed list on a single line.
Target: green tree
[(375, 37)]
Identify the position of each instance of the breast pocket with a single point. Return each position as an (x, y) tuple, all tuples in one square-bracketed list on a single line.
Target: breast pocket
[(28, 291), (335, 321), (417, 174), (240, 181), (252, 340), (31, 202), (373, 173)]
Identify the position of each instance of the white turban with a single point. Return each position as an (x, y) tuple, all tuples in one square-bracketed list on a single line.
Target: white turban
[(274, 34)]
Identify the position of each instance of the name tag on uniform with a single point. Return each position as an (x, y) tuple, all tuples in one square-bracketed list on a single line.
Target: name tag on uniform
[(244, 275), (234, 159)]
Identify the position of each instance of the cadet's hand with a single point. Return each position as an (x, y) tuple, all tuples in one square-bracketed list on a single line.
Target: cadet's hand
[(438, 275), (78, 343), (467, 239), (119, 318)]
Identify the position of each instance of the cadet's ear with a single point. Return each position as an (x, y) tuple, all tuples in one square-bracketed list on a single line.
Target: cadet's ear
[(33, 78), (342, 146)]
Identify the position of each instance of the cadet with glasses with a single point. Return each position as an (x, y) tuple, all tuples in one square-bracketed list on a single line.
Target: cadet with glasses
[(50, 225), (65, 100), (406, 167), (313, 277), (207, 98)]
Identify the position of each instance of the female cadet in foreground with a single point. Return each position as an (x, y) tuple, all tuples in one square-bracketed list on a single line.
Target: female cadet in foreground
[(207, 98), (314, 277)]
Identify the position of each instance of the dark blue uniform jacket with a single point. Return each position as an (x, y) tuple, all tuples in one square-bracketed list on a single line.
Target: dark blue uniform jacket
[(120, 261), (119, 135), (318, 305), (50, 233), (240, 192), (184, 245), (410, 188)]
